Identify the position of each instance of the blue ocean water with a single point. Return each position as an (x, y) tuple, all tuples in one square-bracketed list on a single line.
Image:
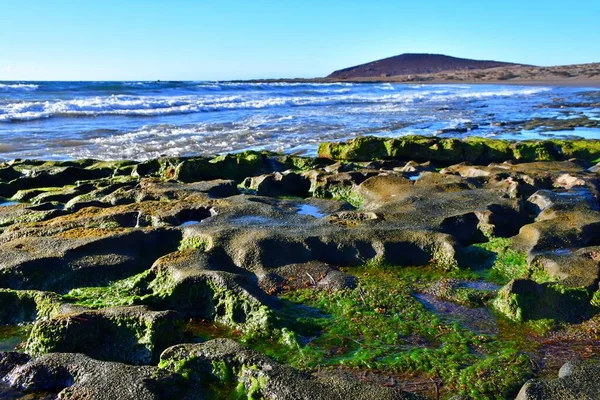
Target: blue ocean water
[(141, 120)]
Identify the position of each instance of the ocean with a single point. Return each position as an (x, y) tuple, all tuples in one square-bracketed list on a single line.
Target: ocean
[(142, 120)]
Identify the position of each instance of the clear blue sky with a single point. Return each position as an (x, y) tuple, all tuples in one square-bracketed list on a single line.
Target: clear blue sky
[(197, 40)]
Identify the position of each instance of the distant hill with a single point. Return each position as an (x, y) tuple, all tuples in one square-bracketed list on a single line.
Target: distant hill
[(409, 64)]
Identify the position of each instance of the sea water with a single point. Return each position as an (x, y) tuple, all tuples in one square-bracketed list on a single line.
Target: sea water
[(142, 120)]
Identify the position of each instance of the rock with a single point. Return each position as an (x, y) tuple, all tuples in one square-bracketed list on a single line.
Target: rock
[(11, 360), (279, 184), (450, 151), (52, 177), (312, 274), (76, 376), (191, 283), (133, 335), (578, 268), (80, 256), (559, 229), (229, 166), (576, 380), (225, 360), (574, 199), (523, 300), (568, 182)]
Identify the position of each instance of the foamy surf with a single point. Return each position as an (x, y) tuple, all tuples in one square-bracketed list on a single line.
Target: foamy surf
[(141, 120)]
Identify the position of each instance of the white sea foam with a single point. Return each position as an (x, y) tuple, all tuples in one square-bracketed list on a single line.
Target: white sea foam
[(18, 86), (167, 105)]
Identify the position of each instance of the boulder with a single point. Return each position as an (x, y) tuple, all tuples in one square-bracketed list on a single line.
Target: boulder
[(133, 335), (577, 380), (76, 376)]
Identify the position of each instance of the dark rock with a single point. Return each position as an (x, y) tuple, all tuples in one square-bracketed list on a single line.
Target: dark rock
[(76, 376), (576, 380)]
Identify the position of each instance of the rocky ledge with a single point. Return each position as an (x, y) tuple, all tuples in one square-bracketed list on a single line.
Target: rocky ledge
[(386, 268)]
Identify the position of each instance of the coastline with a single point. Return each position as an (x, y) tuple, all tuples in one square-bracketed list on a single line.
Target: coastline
[(579, 83)]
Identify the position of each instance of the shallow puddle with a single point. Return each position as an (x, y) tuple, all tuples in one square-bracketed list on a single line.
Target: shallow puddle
[(12, 336), (188, 223), (479, 320), (479, 285), (7, 393), (307, 209), (200, 330)]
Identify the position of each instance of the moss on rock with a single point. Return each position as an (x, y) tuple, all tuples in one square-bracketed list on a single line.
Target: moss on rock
[(450, 150)]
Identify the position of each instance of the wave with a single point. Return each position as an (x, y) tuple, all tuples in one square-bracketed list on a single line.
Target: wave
[(18, 86), (129, 105)]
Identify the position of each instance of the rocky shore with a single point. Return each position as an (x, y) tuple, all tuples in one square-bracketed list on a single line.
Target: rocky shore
[(407, 268)]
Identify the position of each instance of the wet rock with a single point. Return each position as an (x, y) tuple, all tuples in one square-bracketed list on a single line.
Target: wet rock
[(11, 360), (340, 186), (466, 293), (230, 166), (595, 169), (415, 167), (560, 124), (262, 377), (576, 380), (52, 177), (76, 376), (134, 335), (581, 198)]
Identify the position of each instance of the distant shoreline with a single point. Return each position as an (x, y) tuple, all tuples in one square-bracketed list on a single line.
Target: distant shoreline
[(580, 83)]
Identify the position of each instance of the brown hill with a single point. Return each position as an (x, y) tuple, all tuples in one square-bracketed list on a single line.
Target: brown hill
[(409, 64)]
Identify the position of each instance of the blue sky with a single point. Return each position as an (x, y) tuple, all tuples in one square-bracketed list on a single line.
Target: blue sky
[(217, 40)]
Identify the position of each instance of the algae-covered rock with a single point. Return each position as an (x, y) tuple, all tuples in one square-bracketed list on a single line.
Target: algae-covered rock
[(224, 360), (134, 335), (451, 151), (523, 299), (229, 166), (76, 376), (189, 282)]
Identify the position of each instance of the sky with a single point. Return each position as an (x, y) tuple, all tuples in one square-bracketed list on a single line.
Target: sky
[(227, 39)]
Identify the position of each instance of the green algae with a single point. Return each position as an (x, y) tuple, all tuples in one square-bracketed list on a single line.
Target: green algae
[(381, 326), (339, 192), (118, 293), (496, 261), (450, 150), (190, 243)]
